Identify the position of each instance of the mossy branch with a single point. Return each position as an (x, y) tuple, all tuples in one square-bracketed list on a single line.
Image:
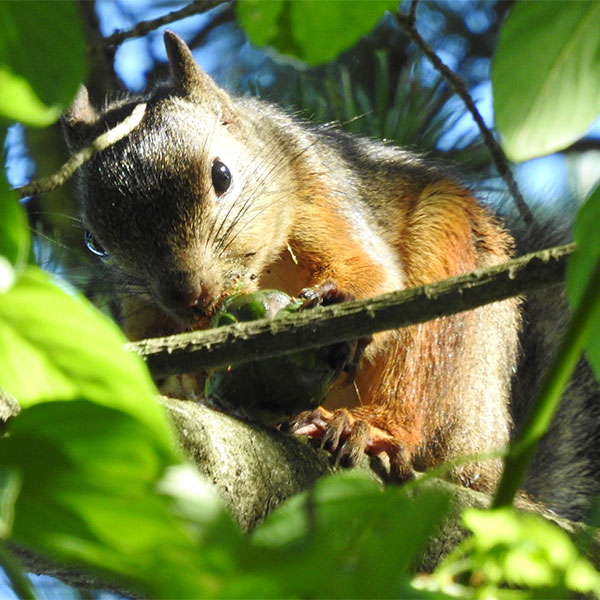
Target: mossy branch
[(243, 342)]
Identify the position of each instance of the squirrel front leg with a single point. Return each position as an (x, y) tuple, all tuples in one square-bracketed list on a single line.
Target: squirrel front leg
[(386, 421), (340, 260)]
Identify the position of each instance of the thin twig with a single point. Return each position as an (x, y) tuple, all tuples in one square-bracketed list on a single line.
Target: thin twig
[(194, 8), (54, 181), (243, 342), (459, 87)]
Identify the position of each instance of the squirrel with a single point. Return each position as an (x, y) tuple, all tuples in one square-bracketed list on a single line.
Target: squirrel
[(211, 191)]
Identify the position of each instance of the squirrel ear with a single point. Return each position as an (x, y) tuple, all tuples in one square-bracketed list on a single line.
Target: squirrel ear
[(191, 82), (79, 119)]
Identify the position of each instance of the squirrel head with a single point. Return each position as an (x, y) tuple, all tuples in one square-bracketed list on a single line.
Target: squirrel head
[(185, 207)]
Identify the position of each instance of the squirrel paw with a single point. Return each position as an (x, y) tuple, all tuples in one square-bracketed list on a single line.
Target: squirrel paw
[(348, 438), (324, 294), (345, 355)]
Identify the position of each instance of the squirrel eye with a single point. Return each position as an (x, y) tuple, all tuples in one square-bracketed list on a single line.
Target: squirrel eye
[(221, 177), (93, 245)]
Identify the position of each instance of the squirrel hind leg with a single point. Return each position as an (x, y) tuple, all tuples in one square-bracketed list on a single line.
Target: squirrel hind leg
[(348, 438)]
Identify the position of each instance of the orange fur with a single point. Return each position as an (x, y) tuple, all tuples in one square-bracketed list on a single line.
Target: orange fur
[(408, 382)]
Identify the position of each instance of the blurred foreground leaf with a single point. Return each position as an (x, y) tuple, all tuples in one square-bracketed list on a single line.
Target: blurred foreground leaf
[(56, 346), (14, 236), (90, 497), (511, 549), (345, 538)]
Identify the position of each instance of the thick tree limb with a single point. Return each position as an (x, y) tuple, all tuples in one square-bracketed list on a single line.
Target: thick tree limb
[(254, 468), (243, 342)]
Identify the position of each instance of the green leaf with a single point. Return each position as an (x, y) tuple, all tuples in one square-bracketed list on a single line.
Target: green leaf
[(90, 495), (508, 550), (56, 346), (314, 31), (545, 76), (19, 102), (14, 236), (39, 72), (525, 549), (581, 266), (357, 534), (199, 503)]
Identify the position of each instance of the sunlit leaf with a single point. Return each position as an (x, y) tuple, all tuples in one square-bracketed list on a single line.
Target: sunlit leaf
[(545, 76), (10, 485), (314, 31), (362, 538), (18, 102), (528, 550)]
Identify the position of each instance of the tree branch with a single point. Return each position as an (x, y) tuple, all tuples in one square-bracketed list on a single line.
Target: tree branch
[(194, 8), (243, 342), (459, 87)]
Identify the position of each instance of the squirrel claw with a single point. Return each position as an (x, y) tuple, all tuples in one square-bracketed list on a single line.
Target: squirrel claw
[(338, 427), (357, 437), (331, 436), (355, 446), (323, 295), (400, 470)]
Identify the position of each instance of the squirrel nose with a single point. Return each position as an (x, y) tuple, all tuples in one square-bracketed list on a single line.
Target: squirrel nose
[(183, 297)]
